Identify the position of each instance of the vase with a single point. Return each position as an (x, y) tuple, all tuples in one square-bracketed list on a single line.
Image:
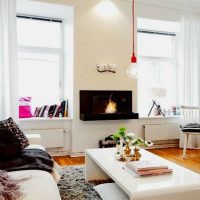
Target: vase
[(136, 155), (118, 148), (127, 151)]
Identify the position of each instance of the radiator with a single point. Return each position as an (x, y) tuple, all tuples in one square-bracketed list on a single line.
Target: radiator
[(50, 138), (162, 134)]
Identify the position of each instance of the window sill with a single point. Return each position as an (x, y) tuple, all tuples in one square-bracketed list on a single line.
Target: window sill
[(162, 117), (34, 119)]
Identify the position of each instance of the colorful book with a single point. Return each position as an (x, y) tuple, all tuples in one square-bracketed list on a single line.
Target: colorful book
[(45, 114), (56, 110), (51, 110), (63, 108), (66, 109), (143, 165), (35, 112), (58, 113), (38, 111), (153, 172), (42, 111)]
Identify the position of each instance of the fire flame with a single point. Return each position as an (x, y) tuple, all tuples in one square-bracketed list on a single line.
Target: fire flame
[(111, 107)]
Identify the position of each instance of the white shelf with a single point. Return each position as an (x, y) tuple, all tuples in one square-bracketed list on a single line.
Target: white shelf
[(33, 119), (162, 117)]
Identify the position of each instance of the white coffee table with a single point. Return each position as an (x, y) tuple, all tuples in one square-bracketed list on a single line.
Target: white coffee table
[(182, 184)]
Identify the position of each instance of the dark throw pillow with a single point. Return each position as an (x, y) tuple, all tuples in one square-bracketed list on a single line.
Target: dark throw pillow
[(9, 145), (15, 132)]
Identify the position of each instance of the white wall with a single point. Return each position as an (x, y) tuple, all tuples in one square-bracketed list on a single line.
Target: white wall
[(104, 40)]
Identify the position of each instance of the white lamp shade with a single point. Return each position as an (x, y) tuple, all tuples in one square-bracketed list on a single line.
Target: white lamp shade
[(158, 92), (132, 70)]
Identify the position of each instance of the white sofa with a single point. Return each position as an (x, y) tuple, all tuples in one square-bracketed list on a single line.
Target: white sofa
[(36, 184)]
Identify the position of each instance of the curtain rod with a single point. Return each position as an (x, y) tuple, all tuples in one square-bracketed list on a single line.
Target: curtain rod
[(39, 18), (156, 32)]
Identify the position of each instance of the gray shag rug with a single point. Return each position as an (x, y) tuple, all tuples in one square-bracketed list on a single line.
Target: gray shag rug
[(72, 185)]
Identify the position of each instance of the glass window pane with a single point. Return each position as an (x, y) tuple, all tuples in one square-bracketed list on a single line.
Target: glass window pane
[(38, 33), (39, 78), (155, 45), (156, 74)]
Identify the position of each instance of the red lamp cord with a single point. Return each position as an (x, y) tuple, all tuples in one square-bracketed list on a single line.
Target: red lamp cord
[(133, 58)]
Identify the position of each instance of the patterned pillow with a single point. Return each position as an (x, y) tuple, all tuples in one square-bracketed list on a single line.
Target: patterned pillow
[(14, 129), (9, 145)]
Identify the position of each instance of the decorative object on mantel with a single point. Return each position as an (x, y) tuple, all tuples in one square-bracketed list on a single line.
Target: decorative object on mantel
[(106, 68), (157, 92), (132, 69), (122, 138)]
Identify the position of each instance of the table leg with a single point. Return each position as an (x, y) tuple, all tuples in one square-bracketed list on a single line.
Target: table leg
[(93, 171)]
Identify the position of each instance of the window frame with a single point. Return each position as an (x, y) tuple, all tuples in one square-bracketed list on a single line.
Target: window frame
[(173, 59), (48, 50)]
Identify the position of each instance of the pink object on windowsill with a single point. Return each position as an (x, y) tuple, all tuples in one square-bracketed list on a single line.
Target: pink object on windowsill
[(25, 107)]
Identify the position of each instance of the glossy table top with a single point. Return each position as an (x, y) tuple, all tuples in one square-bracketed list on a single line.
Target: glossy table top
[(180, 180)]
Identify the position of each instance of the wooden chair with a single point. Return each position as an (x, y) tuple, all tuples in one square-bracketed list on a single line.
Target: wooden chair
[(190, 123)]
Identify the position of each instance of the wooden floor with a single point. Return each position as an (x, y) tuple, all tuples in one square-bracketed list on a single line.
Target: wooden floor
[(68, 161), (192, 160), (173, 154)]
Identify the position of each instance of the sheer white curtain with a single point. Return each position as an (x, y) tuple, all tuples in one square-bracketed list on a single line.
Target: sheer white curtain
[(189, 68), (8, 60)]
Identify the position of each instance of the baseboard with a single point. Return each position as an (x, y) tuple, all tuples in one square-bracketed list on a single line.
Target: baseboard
[(57, 152), (165, 143), (76, 154), (163, 146)]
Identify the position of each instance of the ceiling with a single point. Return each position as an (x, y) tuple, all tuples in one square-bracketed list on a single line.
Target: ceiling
[(185, 2), (188, 5)]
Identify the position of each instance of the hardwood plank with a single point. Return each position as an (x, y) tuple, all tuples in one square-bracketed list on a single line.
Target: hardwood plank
[(192, 160), (67, 160), (173, 154)]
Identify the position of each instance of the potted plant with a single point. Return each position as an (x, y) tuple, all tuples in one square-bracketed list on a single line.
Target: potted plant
[(121, 137), (116, 138), (129, 139)]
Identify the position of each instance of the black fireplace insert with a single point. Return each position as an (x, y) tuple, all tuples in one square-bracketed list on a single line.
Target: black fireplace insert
[(106, 105)]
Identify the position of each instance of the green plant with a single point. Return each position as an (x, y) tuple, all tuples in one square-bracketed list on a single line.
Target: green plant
[(116, 138), (130, 139), (121, 134)]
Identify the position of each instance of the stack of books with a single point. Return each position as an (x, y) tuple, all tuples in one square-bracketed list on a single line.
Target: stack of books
[(148, 167), (56, 110)]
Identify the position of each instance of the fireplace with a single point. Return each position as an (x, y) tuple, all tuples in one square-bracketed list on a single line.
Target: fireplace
[(106, 105)]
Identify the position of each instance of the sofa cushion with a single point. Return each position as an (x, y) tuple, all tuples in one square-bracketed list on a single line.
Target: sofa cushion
[(9, 145), (190, 127), (16, 132), (37, 185), (9, 187)]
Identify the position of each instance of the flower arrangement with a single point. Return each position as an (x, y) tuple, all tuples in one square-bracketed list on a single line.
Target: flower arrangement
[(130, 139)]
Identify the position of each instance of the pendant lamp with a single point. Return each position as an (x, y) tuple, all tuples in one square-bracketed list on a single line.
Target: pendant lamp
[(132, 69)]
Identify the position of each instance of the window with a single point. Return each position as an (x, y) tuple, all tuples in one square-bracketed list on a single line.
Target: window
[(157, 77), (40, 59)]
